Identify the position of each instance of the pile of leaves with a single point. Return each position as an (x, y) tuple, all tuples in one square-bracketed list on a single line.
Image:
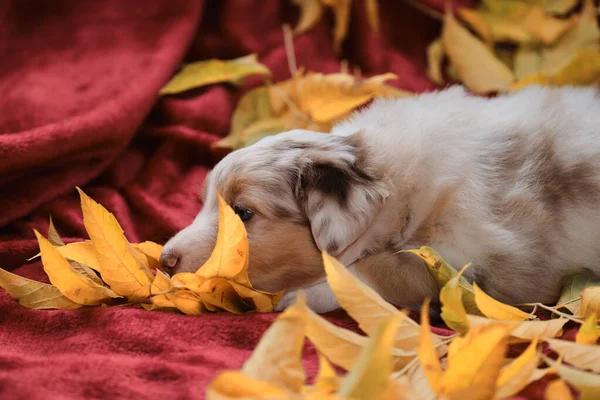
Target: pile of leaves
[(108, 270), (400, 359), (515, 43)]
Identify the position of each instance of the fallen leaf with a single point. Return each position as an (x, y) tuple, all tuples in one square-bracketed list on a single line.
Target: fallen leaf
[(118, 264), (208, 72), (558, 390), (230, 385), (372, 11), (494, 309), (475, 64), (442, 271), (164, 295), (571, 291), (588, 332), (453, 311), (519, 373), (428, 357), (33, 294), (311, 12), (71, 283), (219, 293), (435, 57), (367, 307), (342, 346), (370, 376), (584, 356), (53, 236), (82, 252), (528, 330), (590, 302), (152, 251), (229, 258), (587, 383), (341, 12), (277, 357)]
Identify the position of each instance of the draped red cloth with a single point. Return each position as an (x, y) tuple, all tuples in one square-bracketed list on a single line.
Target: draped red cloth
[(79, 107)]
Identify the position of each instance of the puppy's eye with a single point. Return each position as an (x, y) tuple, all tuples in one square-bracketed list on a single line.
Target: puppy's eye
[(244, 213)]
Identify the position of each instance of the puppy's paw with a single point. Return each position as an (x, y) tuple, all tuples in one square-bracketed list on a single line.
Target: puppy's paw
[(319, 298)]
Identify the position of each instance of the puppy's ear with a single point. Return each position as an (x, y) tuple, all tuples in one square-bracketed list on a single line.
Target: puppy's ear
[(339, 190)]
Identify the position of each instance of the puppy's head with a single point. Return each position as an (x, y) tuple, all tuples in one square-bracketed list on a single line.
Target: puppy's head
[(298, 193)]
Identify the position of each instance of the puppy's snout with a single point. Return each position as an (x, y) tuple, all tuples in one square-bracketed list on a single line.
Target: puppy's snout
[(169, 261)]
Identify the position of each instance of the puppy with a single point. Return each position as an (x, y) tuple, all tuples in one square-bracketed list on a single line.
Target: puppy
[(510, 184)]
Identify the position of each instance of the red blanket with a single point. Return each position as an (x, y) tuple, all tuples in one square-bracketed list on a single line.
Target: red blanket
[(79, 106)]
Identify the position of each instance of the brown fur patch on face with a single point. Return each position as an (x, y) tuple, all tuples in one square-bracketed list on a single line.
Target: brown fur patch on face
[(283, 255)]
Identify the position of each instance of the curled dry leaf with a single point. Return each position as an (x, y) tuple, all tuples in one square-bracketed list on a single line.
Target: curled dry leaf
[(118, 265), (519, 373), (207, 72), (588, 332), (558, 390), (442, 271), (495, 309), (74, 285), (527, 330), (53, 236), (584, 356), (453, 310), (33, 294), (590, 302), (367, 307), (571, 291)]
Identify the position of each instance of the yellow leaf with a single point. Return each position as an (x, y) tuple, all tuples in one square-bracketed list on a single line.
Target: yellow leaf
[(151, 251), (571, 291), (75, 286), (528, 330), (475, 20), (453, 311), (366, 306), (53, 236), (327, 379), (208, 72), (527, 62), (341, 12), (161, 286), (557, 390), (442, 271), (33, 294), (427, 354), (584, 356), (118, 264), (81, 252), (519, 373), (229, 258), (435, 57), (372, 11), (164, 295), (416, 380), (475, 64), (473, 371), (370, 376), (544, 27), (235, 385), (590, 302), (494, 309), (588, 331), (257, 300), (559, 7), (219, 293), (310, 14), (587, 383), (342, 347), (277, 359)]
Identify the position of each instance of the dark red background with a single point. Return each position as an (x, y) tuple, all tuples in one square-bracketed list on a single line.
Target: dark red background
[(79, 106)]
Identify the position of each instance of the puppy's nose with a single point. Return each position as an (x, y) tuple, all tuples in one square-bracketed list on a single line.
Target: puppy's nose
[(169, 261)]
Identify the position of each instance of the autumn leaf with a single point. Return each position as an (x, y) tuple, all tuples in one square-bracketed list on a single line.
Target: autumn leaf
[(277, 357), (588, 332), (584, 356), (327, 380), (494, 309), (366, 306), (428, 357), (370, 376), (208, 72), (443, 272), (118, 264), (528, 330), (73, 284), (519, 373), (151, 251), (571, 291), (587, 383), (435, 57), (310, 14), (558, 390), (53, 236), (453, 311), (33, 294), (590, 302), (477, 66), (164, 295)]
